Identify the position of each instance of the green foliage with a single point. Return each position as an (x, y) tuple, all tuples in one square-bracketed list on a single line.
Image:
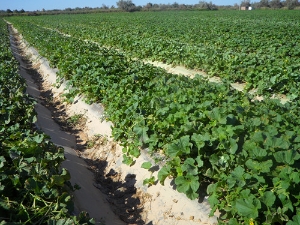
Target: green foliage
[(74, 120), (237, 46), (146, 165), (198, 132), (34, 189), (126, 5), (149, 181)]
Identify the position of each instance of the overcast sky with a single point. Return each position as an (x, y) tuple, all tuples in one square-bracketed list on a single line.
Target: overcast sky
[(30, 5)]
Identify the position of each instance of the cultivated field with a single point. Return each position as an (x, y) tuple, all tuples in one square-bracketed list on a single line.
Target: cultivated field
[(203, 134), (260, 48)]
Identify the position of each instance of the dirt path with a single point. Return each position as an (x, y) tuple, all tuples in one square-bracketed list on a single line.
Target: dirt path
[(88, 198)]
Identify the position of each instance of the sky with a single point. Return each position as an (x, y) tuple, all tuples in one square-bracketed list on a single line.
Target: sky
[(31, 5)]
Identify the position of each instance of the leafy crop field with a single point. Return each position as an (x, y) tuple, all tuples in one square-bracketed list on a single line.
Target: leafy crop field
[(33, 187), (204, 135), (260, 48)]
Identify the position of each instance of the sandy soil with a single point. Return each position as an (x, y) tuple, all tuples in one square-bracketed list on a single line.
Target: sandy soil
[(88, 198)]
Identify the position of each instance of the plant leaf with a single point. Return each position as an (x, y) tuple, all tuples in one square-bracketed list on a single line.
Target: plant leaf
[(248, 207), (146, 165), (179, 146), (269, 198), (286, 157), (189, 166), (295, 221), (141, 131), (163, 173)]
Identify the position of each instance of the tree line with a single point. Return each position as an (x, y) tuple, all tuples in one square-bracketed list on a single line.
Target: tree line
[(272, 4), (129, 6)]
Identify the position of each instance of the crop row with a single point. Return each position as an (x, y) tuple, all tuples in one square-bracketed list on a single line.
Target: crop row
[(260, 48), (202, 134), (33, 186)]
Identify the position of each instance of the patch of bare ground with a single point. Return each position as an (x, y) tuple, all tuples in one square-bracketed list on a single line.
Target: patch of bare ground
[(126, 201)]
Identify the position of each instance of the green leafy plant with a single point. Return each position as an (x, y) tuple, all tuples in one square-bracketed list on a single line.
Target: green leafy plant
[(151, 180), (266, 59), (34, 189), (74, 120), (201, 134)]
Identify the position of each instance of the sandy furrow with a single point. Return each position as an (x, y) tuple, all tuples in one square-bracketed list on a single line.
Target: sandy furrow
[(88, 198)]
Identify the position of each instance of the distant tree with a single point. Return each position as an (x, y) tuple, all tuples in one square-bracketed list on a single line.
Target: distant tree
[(9, 11), (138, 8), (202, 5), (175, 5), (245, 3), (254, 5), (264, 3), (207, 6), (164, 6), (126, 5), (212, 6), (291, 4), (148, 6), (275, 4), (236, 6), (183, 6), (104, 6), (22, 11)]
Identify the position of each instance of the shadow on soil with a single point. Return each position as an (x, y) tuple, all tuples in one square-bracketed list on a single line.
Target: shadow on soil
[(123, 197)]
